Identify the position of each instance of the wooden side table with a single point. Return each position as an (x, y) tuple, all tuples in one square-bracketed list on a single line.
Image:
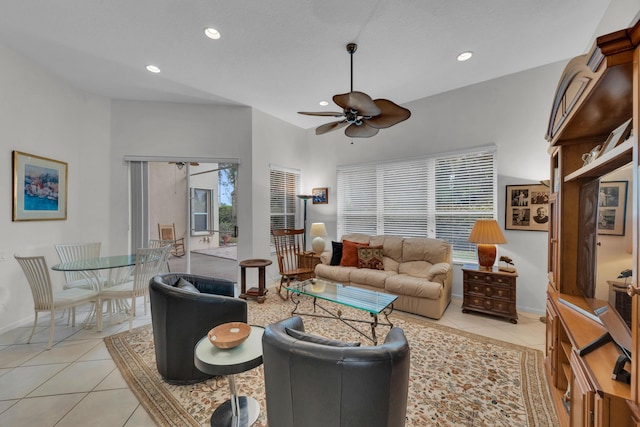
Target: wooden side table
[(255, 292), (490, 291), (308, 260)]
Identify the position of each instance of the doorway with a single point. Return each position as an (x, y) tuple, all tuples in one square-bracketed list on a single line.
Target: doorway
[(201, 200)]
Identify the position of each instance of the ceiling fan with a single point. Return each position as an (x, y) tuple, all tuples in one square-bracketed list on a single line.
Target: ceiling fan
[(363, 116), (180, 165)]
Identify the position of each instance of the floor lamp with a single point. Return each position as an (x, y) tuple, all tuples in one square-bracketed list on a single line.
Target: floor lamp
[(304, 198)]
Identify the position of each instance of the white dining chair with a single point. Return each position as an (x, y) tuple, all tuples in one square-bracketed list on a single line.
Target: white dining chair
[(69, 252), (153, 243), (74, 252), (149, 262), (46, 299)]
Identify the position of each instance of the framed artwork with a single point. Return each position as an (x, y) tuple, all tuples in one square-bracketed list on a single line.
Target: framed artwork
[(527, 207), (612, 207), (620, 134), (39, 188), (320, 196)]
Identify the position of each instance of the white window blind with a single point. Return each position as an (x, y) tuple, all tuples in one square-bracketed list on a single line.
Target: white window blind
[(284, 185), (439, 196)]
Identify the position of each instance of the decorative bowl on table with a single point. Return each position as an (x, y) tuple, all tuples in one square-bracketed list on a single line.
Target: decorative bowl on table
[(229, 335)]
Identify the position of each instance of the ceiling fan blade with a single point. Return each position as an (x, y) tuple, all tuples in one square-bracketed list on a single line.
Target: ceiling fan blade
[(328, 127), (362, 131), (359, 101), (321, 113), (391, 114)]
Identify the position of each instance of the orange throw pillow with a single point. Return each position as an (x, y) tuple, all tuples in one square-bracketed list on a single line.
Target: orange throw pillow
[(350, 253)]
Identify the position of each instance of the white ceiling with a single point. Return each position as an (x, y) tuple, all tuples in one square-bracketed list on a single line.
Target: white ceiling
[(284, 56)]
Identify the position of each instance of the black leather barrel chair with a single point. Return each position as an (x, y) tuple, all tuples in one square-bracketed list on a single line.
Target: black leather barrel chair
[(182, 315), (314, 382)]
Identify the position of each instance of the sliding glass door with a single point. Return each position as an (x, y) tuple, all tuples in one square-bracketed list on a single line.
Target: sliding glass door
[(199, 199)]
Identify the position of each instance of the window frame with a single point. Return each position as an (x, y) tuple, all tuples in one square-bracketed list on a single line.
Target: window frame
[(284, 196), (208, 203), (421, 188)]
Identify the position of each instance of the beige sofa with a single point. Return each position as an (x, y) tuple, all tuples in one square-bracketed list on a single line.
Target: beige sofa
[(417, 270)]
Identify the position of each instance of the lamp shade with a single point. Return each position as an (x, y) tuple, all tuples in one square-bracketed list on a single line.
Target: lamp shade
[(318, 231), (486, 234), (487, 231)]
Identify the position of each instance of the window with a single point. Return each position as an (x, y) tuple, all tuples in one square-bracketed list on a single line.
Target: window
[(200, 211), (284, 186), (439, 197)]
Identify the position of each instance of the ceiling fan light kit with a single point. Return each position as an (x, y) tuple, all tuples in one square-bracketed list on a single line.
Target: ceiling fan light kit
[(362, 116)]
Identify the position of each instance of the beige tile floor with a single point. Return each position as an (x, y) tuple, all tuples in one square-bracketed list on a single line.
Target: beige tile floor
[(76, 383)]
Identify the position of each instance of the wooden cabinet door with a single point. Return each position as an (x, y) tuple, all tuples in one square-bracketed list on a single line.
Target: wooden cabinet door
[(552, 340), (553, 261), (582, 396)]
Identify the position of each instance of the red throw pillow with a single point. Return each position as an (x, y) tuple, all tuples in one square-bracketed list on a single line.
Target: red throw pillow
[(350, 253)]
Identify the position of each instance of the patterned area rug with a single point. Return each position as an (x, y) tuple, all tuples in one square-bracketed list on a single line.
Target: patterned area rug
[(456, 379)]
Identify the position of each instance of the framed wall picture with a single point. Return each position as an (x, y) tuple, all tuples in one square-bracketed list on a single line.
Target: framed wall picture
[(612, 207), (39, 188), (527, 207), (320, 196), (619, 134)]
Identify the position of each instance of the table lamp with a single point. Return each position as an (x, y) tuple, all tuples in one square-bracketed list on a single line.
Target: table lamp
[(486, 234), (318, 231)]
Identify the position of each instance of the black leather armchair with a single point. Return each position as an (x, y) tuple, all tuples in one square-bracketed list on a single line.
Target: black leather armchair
[(319, 385), (180, 318)]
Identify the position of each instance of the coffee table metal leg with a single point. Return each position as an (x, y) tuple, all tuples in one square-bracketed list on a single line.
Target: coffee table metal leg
[(373, 328), (238, 411)]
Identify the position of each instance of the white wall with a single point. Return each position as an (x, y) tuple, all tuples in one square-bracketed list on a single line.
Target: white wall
[(274, 143), (511, 112), (41, 115), (178, 130)]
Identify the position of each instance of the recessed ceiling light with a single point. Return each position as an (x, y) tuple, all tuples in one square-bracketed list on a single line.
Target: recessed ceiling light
[(153, 69), (324, 103), (212, 33), (465, 56)]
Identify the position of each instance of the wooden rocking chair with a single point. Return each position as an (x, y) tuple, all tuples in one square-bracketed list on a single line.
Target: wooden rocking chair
[(289, 248), (167, 232)]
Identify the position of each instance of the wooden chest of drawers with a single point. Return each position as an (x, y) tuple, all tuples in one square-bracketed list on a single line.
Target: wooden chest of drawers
[(489, 291)]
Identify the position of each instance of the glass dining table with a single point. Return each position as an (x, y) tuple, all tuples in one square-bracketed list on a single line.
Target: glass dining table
[(119, 271)]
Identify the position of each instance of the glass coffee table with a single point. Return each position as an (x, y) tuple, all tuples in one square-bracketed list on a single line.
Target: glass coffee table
[(372, 302)]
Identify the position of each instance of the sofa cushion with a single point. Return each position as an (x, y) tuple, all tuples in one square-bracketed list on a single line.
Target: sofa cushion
[(350, 253), (187, 286), (336, 253), (390, 264), (392, 246), (370, 257), (370, 277), (415, 268), (294, 333), (425, 249), (402, 284), (357, 237), (335, 273)]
